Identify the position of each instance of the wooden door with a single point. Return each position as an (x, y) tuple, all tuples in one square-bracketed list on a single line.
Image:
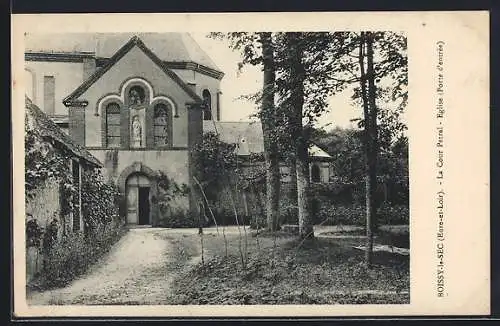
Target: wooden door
[(132, 207), (144, 206), (138, 206)]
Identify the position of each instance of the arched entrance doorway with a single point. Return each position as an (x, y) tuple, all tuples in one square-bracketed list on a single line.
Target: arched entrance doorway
[(138, 192)]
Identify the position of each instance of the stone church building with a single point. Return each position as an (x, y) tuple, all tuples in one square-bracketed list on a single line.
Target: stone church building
[(138, 103)]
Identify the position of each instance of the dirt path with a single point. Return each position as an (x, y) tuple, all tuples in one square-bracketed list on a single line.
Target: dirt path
[(138, 270)]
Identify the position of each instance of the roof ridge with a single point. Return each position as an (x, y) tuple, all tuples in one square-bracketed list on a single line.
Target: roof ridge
[(199, 48), (164, 44), (50, 129), (225, 121)]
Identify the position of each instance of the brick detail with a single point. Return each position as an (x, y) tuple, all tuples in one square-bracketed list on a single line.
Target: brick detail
[(77, 124)]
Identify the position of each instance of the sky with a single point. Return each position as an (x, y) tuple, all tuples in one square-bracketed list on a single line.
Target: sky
[(249, 81)]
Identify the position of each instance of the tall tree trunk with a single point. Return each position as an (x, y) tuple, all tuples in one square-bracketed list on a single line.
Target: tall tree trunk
[(368, 95), (305, 218), (301, 141), (268, 120), (374, 148), (292, 191)]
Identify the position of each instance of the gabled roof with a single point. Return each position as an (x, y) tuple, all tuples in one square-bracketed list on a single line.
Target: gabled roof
[(170, 47), (134, 41), (48, 128), (248, 135), (315, 151)]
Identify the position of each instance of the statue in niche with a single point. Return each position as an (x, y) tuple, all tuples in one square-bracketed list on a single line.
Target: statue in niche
[(136, 132)]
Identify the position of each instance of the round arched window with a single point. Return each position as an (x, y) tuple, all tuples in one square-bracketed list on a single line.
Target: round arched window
[(207, 105), (136, 95), (161, 112)]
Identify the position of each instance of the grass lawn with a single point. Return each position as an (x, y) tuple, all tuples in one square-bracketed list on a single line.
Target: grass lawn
[(284, 270)]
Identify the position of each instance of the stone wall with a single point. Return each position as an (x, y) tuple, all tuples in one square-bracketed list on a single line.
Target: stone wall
[(119, 164), (174, 163), (44, 207)]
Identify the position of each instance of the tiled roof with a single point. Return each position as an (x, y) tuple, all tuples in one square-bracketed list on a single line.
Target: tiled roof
[(48, 128), (248, 135), (172, 47)]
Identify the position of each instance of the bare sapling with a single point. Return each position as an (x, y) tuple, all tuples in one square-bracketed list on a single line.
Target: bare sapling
[(200, 233), (245, 249), (308, 237), (206, 203), (257, 224), (240, 249), (212, 214)]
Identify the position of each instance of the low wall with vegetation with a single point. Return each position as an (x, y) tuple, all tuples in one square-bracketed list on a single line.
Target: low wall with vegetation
[(55, 254)]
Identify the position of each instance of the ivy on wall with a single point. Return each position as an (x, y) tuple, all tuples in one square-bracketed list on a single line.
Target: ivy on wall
[(100, 201), (45, 160), (168, 192), (67, 255)]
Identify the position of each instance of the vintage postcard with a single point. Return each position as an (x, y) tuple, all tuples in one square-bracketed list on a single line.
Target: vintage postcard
[(273, 164)]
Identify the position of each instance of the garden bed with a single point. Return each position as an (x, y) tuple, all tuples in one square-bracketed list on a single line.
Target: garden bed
[(284, 270)]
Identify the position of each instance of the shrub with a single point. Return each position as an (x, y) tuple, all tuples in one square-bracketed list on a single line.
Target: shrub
[(258, 221), (356, 215), (34, 233), (171, 196), (225, 216), (73, 253), (289, 214), (177, 219), (346, 215), (393, 214)]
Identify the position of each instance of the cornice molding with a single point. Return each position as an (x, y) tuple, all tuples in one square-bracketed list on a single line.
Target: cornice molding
[(101, 62), (58, 56)]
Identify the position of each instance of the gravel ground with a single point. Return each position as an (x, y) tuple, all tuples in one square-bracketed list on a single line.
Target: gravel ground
[(138, 270)]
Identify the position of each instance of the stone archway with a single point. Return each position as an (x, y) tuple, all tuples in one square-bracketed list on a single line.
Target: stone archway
[(133, 192)]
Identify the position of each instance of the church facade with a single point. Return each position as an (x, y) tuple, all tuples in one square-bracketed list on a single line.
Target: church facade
[(138, 103)]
